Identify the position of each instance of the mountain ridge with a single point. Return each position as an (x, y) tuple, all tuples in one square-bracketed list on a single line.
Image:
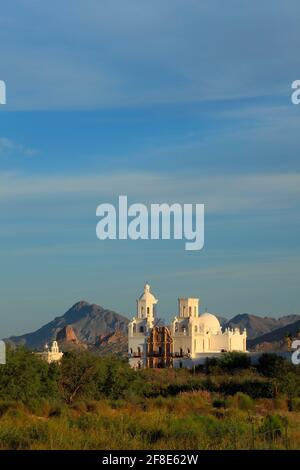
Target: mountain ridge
[(90, 325), (275, 339), (259, 325), (88, 321)]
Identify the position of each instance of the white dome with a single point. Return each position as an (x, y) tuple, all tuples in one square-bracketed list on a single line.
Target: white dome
[(147, 295), (210, 321)]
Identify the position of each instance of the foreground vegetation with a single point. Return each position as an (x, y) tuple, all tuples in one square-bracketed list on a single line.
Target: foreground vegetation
[(89, 402)]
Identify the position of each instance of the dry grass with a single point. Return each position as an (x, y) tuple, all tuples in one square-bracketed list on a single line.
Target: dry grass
[(190, 420)]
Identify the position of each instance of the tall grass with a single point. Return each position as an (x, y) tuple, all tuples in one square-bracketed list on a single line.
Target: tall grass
[(188, 421)]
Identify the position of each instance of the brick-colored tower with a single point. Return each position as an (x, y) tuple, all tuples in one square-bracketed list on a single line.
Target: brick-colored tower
[(159, 348)]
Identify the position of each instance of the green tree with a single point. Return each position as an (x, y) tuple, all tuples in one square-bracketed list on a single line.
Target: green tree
[(272, 365), (26, 377), (229, 362), (77, 372)]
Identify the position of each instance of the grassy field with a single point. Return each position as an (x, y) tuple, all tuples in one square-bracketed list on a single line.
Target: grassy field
[(191, 420), (89, 402)]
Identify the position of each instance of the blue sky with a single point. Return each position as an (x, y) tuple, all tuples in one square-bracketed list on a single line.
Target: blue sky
[(180, 101)]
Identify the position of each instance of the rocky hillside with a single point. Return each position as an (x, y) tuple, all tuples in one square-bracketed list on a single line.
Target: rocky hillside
[(113, 343), (258, 326), (275, 340), (67, 334), (68, 340), (88, 322)]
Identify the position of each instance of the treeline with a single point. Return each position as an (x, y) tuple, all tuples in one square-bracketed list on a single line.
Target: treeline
[(25, 377), (84, 376)]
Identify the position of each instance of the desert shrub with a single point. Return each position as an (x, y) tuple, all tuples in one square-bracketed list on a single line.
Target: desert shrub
[(26, 378), (87, 422), (294, 404), (15, 413), (245, 402), (219, 403), (286, 375), (197, 431), (210, 385), (116, 379), (212, 431), (92, 406), (77, 378), (199, 369), (228, 362), (190, 386), (272, 427), (255, 388), (56, 410), (271, 365), (199, 401), (159, 402), (185, 429), (8, 405), (117, 404), (280, 403), (45, 407), (234, 361), (289, 384), (13, 438), (242, 401), (87, 376), (153, 434), (174, 388), (79, 406), (37, 432), (38, 406)]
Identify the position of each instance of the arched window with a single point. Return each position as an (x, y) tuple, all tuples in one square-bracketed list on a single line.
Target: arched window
[(141, 329), (134, 328), (131, 351), (148, 310), (190, 311), (180, 352)]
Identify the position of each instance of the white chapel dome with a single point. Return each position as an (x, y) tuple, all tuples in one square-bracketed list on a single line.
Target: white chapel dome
[(210, 321), (147, 295)]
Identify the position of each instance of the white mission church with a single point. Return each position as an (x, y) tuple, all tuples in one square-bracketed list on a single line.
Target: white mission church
[(186, 342)]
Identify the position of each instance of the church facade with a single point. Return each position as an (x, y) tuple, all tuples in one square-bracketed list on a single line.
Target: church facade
[(186, 342), (159, 348), (52, 354)]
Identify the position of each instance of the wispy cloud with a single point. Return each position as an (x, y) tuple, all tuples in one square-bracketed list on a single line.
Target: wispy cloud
[(221, 193), (9, 146), (146, 52)]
